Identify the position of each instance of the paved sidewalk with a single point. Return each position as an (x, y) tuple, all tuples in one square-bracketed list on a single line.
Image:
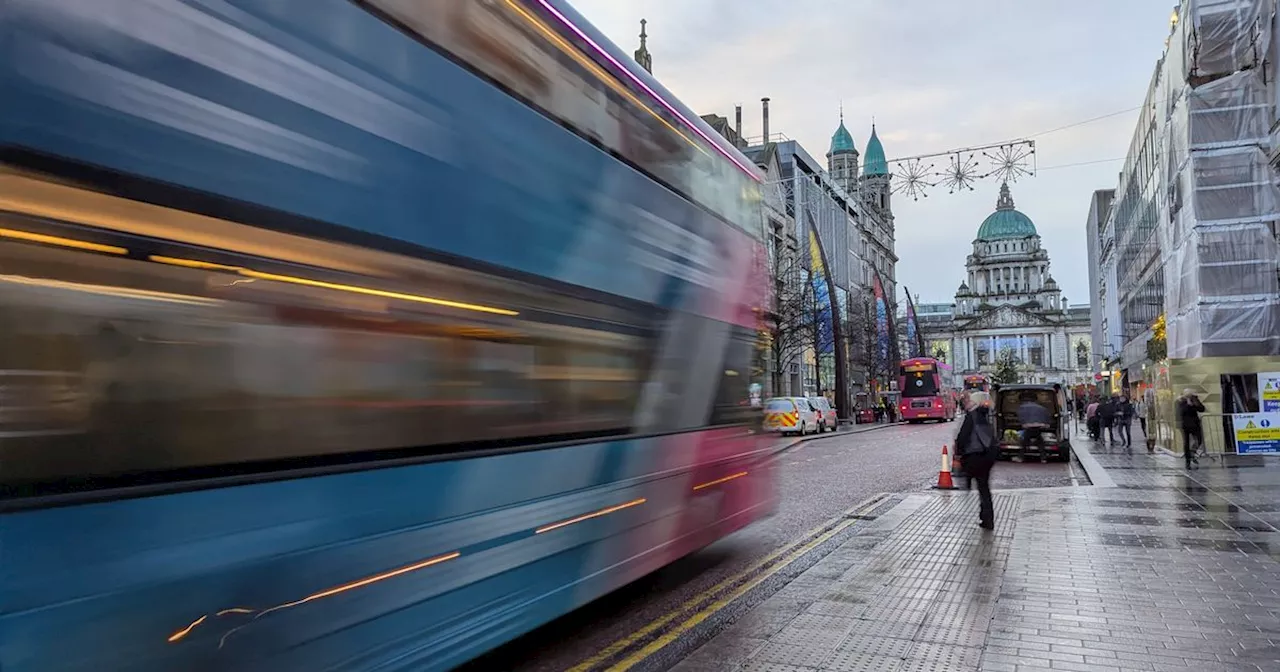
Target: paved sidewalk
[(1167, 570)]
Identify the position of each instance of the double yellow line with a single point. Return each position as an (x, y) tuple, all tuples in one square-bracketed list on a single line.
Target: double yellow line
[(648, 640)]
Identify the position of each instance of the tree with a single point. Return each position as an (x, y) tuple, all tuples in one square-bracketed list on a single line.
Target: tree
[(864, 339), (1007, 371), (1158, 345), (940, 354), (791, 324), (859, 333)]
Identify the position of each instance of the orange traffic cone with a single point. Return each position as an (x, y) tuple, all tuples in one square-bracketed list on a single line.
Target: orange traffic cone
[(944, 474)]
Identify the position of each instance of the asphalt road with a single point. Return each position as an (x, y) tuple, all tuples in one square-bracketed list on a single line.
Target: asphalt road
[(819, 480)]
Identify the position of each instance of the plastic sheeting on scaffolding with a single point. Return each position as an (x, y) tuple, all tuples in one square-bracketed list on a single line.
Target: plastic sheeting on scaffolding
[(1223, 36), (1219, 239)]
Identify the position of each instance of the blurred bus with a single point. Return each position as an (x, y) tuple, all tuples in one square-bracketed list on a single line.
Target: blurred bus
[(355, 334), (977, 383), (926, 391)]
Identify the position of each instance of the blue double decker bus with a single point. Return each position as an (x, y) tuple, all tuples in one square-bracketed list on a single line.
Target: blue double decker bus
[(354, 335)]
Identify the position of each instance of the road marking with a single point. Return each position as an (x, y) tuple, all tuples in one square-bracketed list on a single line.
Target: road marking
[(671, 635), (706, 604)]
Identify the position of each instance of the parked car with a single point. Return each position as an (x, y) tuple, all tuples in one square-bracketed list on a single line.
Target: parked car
[(790, 415), (827, 418), (1006, 399)]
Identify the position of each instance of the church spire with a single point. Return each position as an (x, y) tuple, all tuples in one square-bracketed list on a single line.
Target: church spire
[(1005, 202), (642, 54)]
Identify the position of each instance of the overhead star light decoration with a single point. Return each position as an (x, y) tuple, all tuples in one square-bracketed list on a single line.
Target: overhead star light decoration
[(965, 168), (1011, 161), (962, 172), (914, 176)]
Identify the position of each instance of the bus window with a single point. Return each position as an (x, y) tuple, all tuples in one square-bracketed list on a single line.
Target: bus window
[(920, 384)]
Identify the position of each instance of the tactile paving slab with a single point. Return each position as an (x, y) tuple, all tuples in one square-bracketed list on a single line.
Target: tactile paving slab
[(1171, 570)]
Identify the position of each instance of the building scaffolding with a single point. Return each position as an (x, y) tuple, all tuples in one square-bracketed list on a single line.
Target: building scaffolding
[(1216, 228)]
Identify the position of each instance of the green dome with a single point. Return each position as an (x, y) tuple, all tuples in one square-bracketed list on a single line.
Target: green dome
[(842, 141), (1006, 222), (873, 162)]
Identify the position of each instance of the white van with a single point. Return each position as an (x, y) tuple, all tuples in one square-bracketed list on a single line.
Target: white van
[(790, 415)]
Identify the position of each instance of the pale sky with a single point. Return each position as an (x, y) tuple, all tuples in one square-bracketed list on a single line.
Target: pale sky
[(937, 75)]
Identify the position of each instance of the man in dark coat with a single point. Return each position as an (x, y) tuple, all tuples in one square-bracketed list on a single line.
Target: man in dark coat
[(1035, 420), (1107, 418), (1124, 420), (1188, 410), (979, 448)]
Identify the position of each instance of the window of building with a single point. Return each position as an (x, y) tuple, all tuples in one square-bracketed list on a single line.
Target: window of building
[(1239, 392), (1035, 350), (1082, 354)]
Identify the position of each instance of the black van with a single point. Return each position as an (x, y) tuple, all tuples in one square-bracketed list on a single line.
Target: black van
[(1005, 400)]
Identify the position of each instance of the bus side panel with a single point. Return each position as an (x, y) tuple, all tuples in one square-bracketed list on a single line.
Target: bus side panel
[(390, 139), (360, 569)]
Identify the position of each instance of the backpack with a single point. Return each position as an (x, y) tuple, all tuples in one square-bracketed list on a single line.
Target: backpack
[(982, 440)]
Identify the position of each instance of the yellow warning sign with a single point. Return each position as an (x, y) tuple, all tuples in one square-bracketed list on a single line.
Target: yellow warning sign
[(1257, 432), (1269, 392)]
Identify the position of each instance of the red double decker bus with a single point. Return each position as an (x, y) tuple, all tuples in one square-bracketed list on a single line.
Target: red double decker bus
[(926, 393), (979, 382)]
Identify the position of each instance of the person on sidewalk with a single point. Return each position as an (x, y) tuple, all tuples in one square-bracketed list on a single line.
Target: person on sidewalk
[(1091, 419), (979, 450), (1124, 421), (1034, 419), (1142, 408), (1107, 419), (1189, 408)]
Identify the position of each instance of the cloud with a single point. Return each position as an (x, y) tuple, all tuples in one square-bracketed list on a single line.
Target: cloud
[(936, 75)]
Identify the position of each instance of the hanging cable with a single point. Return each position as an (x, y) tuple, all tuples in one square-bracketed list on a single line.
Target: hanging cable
[(1082, 163), (1082, 123)]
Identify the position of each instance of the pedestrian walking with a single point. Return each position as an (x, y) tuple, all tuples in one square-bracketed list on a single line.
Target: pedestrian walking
[(979, 450), (1091, 419), (1034, 419), (1107, 419), (1189, 408), (1124, 420), (1142, 408)]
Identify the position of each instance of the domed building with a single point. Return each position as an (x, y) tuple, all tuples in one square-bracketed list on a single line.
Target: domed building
[(1009, 302)]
